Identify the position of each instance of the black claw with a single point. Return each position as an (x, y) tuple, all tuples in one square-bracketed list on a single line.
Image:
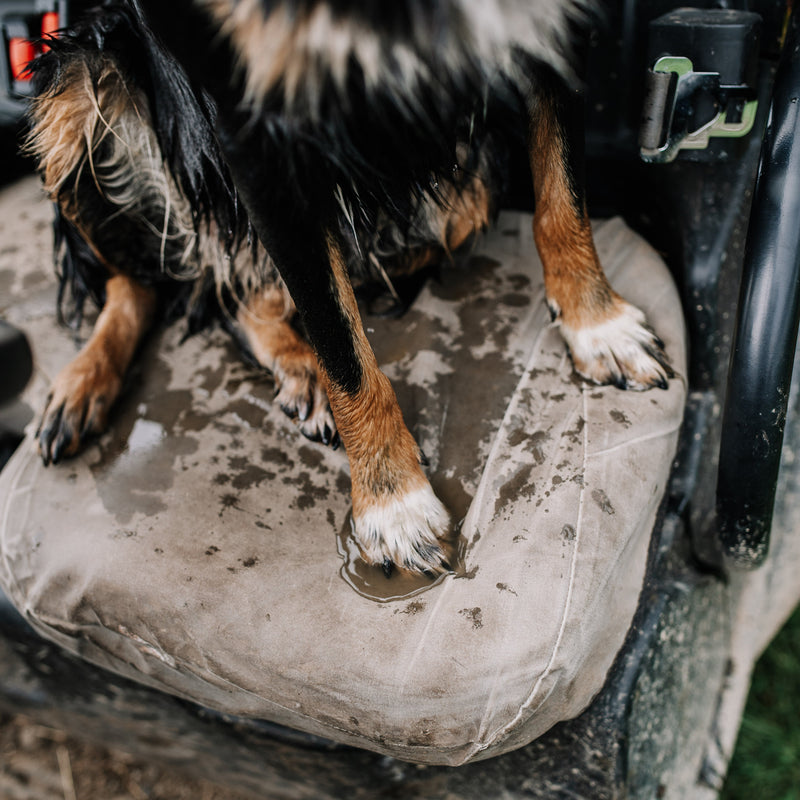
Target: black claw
[(288, 410), (49, 435), (62, 442), (661, 383), (446, 566), (423, 459), (387, 567), (327, 434), (620, 382), (336, 441), (311, 436)]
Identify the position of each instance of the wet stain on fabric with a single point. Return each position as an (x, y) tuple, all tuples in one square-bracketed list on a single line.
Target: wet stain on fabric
[(277, 457), (568, 533), (533, 443), (413, 608), (475, 615), (249, 413), (620, 418), (252, 475), (601, 499), (514, 299), (519, 486), (575, 435), (308, 491)]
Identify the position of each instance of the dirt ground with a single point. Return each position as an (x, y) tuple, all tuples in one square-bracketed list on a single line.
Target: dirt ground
[(41, 763)]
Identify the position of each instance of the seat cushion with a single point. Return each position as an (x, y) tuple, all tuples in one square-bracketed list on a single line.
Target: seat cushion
[(203, 547)]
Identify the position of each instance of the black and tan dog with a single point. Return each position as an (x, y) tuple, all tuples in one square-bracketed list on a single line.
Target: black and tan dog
[(254, 155)]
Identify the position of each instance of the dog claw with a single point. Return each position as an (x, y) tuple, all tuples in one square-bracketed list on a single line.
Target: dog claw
[(387, 567)]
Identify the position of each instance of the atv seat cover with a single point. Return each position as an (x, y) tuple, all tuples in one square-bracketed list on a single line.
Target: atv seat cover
[(201, 545)]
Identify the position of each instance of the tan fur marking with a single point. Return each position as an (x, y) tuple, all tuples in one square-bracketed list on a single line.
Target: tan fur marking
[(265, 320), (574, 280), (461, 215), (69, 124), (84, 391), (384, 458), (468, 214)]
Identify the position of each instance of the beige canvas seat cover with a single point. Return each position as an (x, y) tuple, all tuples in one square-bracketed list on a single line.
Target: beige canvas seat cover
[(201, 546)]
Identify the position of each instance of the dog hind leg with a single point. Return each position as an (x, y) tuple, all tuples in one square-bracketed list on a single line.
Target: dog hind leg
[(608, 338), (99, 162), (84, 390)]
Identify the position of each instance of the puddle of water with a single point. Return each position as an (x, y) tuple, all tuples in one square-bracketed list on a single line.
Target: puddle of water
[(371, 582)]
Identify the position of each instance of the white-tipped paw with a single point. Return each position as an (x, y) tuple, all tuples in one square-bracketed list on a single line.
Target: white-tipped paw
[(623, 351), (405, 531)]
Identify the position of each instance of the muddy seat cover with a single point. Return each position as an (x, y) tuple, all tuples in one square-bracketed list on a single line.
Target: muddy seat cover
[(202, 546)]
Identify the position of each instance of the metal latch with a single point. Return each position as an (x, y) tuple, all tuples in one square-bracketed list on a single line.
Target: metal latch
[(707, 90)]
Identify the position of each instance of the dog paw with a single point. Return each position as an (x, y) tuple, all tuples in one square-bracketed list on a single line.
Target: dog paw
[(622, 350), (301, 397), (77, 406), (405, 531)]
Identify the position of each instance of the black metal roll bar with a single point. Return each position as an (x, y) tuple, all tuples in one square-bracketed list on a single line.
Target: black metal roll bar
[(765, 336)]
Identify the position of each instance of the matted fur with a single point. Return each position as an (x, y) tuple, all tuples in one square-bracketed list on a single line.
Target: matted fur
[(94, 127)]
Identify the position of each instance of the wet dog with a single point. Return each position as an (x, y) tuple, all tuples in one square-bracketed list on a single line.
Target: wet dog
[(249, 159)]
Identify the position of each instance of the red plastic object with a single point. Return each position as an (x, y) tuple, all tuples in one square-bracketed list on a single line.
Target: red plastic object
[(50, 23), (20, 53), (50, 26)]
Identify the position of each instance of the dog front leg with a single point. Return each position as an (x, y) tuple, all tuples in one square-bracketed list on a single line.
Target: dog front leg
[(397, 518), (608, 338)]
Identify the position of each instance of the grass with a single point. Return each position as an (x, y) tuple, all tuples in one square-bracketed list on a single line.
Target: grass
[(766, 762)]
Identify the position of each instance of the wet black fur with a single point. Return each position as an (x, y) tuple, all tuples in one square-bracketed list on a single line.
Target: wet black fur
[(183, 121), (344, 152)]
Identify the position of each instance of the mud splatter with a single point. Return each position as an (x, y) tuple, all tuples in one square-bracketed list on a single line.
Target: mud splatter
[(568, 533), (620, 418), (412, 609), (601, 499), (519, 486), (475, 615)]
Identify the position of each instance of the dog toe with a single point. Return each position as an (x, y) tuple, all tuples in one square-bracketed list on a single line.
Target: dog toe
[(302, 398), (622, 351), (76, 408)]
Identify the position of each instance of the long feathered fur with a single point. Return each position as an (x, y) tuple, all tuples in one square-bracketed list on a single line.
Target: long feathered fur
[(118, 120)]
